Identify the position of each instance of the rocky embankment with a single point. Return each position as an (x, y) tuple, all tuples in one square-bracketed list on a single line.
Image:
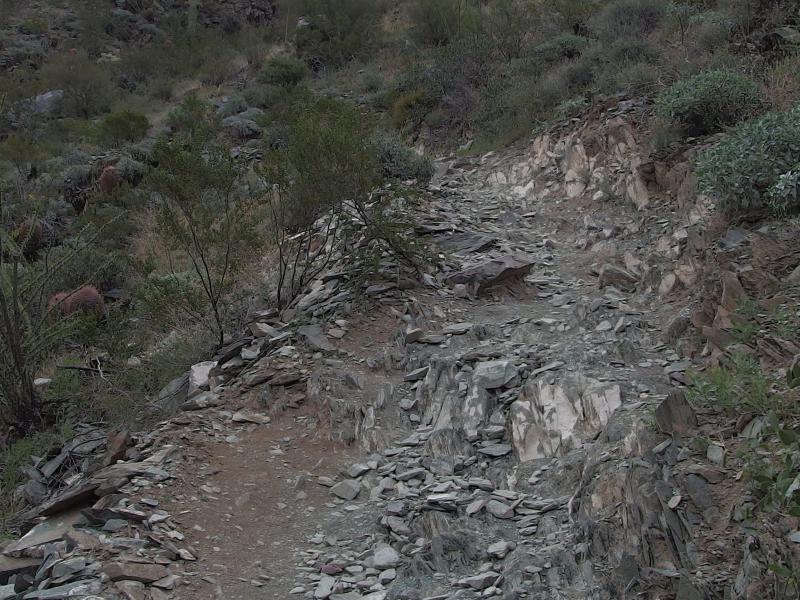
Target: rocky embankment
[(517, 415)]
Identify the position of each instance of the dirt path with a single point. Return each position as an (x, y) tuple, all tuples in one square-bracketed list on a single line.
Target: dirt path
[(250, 499)]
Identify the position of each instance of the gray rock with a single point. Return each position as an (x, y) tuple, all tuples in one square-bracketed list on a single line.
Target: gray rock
[(675, 415), (457, 328), (615, 276), (716, 454), (480, 582), (202, 401), (347, 489), (114, 525), (385, 557), (496, 450), (325, 587), (499, 509), (493, 271), (417, 374), (357, 470), (494, 374), (315, 338), (500, 549)]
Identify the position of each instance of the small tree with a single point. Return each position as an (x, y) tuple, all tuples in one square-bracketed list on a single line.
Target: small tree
[(321, 199), (207, 221)]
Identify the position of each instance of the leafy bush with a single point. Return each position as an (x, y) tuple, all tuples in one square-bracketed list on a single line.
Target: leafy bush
[(439, 22), (562, 47), (742, 169), (783, 82), (338, 32), (628, 19), (284, 71), (88, 86), (710, 29), (784, 196), (123, 126), (204, 212), (708, 102), (34, 26), (398, 160)]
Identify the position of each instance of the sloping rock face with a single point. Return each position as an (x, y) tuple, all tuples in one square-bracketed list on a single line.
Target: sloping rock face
[(549, 420)]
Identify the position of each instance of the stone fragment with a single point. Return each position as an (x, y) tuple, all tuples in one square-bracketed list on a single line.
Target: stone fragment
[(347, 489), (244, 416), (493, 271), (494, 374), (357, 470), (198, 377), (675, 415), (316, 338), (609, 275), (500, 549), (480, 582), (385, 557), (457, 328), (500, 509), (550, 419), (495, 450), (144, 572), (417, 374), (325, 587), (201, 401)]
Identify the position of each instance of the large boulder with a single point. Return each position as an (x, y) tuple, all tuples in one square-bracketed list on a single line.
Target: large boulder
[(551, 419)]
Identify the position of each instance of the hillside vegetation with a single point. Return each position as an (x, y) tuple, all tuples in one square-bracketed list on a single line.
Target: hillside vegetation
[(165, 155)]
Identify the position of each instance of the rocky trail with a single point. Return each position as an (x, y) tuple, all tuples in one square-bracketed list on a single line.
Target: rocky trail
[(489, 432)]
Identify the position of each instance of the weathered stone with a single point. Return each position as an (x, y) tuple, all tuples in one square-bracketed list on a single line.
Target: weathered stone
[(201, 401), (325, 587), (732, 291), (198, 377), (347, 489), (144, 572), (549, 420), (480, 582), (495, 450), (316, 338), (499, 509), (675, 415), (609, 275), (13, 566), (457, 328), (416, 374), (500, 549), (493, 271), (494, 374), (385, 557), (117, 444)]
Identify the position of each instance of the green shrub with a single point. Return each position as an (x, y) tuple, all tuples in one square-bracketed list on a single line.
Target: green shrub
[(34, 26), (338, 32), (784, 196), (398, 160), (628, 19), (562, 47), (284, 71), (123, 126), (438, 22), (88, 86), (752, 166), (710, 29), (708, 102)]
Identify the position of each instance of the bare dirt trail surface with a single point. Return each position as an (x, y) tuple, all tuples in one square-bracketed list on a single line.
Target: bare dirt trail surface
[(487, 430), (266, 528)]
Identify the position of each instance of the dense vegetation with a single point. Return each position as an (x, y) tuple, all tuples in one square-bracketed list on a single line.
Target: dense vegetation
[(140, 147)]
